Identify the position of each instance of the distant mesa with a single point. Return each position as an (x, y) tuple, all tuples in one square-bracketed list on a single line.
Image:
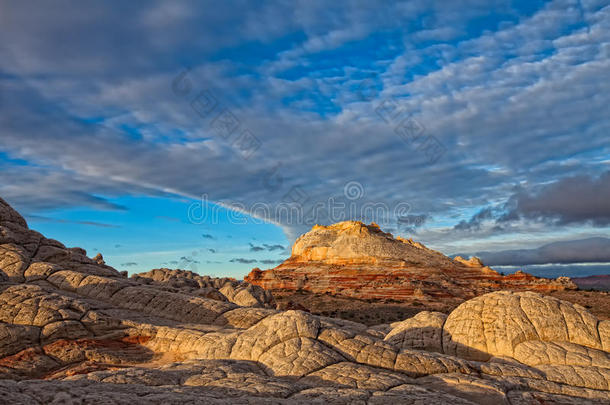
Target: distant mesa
[(356, 260), (601, 282)]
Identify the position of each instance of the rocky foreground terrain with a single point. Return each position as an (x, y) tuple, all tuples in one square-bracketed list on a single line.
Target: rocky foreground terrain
[(73, 330), (373, 312), (354, 260)]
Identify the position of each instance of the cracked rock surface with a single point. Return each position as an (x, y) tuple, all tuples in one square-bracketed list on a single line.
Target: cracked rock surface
[(74, 330)]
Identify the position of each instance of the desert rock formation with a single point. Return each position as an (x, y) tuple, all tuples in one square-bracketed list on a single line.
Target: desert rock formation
[(355, 260), (74, 330), (222, 289)]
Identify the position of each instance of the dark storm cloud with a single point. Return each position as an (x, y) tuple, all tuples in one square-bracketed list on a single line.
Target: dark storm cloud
[(577, 199), (591, 250)]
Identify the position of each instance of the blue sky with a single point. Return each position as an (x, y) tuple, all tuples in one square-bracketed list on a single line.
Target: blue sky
[(473, 126)]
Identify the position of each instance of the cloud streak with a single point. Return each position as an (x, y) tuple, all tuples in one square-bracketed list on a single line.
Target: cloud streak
[(242, 260), (38, 218), (266, 247), (591, 250)]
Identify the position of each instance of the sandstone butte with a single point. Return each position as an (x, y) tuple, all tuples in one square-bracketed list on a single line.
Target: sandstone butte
[(355, 260), (76, 331)]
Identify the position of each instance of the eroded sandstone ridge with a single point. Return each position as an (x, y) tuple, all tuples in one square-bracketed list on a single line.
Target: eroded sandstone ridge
[(355, 260), (74, 330), (221, 289)]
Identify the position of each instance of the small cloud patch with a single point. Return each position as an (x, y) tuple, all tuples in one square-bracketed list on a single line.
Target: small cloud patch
[(270, 261), (242, 260)]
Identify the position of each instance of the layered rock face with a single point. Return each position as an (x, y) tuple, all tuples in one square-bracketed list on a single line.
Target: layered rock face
[(355, 260), (73, 330)]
